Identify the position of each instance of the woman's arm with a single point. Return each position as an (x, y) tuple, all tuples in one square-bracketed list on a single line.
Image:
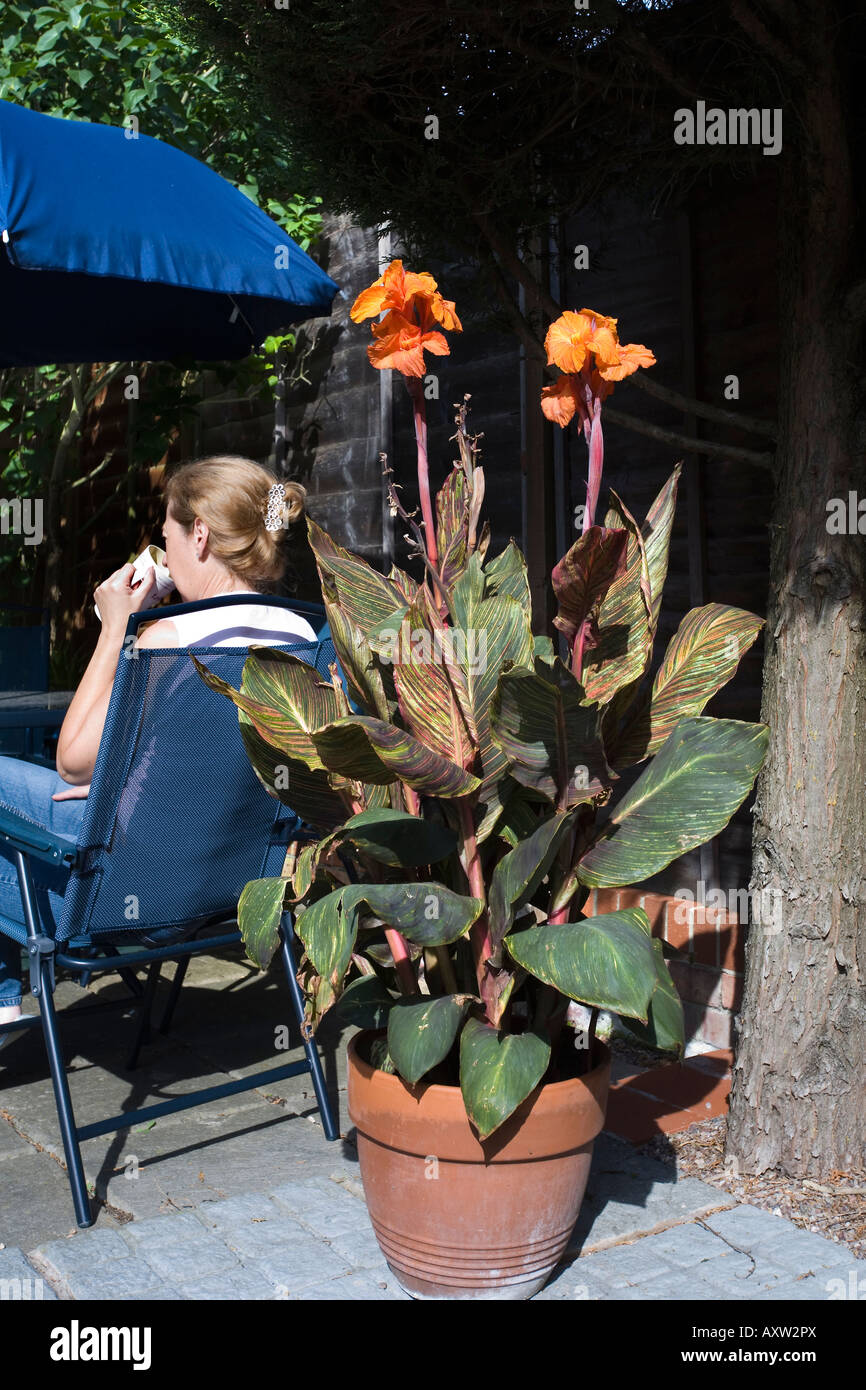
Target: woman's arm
[(78, 743)]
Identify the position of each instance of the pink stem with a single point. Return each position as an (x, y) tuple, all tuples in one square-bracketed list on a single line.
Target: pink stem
[(593, 487), (400, 952), (479, 932), (419, 411)]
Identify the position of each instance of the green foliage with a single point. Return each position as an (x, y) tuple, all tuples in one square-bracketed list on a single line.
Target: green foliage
[(511, 758), (105, 61)]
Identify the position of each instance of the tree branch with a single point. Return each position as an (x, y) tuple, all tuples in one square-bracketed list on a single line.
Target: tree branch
[(758, 32), (706, 412), (688, 444)]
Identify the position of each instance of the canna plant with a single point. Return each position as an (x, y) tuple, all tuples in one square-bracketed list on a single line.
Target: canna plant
[(459, 775)]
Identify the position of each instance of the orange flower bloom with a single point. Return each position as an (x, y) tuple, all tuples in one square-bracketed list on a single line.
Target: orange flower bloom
[(586, 347), (561, 399), (401, 289), (400, 343)]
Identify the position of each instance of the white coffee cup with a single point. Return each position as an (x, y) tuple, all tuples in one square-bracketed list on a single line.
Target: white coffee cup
[(150, 559)]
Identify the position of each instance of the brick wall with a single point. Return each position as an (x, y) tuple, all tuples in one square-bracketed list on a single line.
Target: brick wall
[(707, 968)]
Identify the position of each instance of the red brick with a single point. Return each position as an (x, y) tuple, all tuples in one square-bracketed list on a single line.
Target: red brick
[(655, 907), (732, 990), (637, 1117), (732, 945), (678, 928), (698, 985), (607, 900), (705, 938), (713, 1026)]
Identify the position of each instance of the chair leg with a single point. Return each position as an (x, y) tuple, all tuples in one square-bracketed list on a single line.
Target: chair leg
[(63, 1100), (287, 936), (181, 967), (143, 1034)]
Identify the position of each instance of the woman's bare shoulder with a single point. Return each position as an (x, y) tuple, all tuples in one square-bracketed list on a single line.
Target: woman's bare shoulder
[(159, 634)]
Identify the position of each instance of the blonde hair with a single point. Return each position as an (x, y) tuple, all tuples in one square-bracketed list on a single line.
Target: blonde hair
[(230, 494)]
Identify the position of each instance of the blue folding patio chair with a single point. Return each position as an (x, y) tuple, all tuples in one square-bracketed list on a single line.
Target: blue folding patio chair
[(176, 823)]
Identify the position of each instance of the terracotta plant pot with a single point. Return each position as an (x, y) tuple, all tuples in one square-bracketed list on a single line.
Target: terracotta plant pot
[(457, 1218)]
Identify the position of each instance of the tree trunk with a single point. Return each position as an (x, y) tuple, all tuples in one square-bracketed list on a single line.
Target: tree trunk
[(798, 1102)]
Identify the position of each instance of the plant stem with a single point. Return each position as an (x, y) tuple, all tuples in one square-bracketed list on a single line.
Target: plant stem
[(402, 963), (479, 934), (416, 391)]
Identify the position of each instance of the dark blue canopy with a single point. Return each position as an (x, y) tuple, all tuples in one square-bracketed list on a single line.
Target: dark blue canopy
[(119, 247)]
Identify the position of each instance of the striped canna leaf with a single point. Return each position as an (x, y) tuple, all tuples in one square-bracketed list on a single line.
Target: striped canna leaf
[(624, 642), (685, 796), (283, 699), (496, 632), (583, 577), (606, 961), (656, 532), (310, 793), (428, 705), (370, 750), (365, 596), (548, 736), (702, 656)]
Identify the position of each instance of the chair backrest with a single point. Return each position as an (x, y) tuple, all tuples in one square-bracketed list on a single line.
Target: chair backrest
[(176, 822), (24, 646)]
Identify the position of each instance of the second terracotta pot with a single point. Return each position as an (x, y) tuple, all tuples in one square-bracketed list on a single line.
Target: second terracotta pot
[(458, 1218)]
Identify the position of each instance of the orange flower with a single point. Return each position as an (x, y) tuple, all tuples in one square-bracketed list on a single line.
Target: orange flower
[(567, 340), (631, 356), (400, 343), (587, 348), (413, 307), (561, 399)]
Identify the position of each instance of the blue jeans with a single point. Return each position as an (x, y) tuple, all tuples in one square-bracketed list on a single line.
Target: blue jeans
[(28, 788)]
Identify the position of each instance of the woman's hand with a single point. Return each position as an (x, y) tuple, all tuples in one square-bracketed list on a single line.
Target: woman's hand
[(74, 794), (116, 598)]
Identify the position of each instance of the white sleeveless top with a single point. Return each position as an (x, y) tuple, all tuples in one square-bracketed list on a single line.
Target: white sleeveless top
[(240, 624)]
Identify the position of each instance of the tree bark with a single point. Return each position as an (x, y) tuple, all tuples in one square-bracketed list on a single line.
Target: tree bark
[(798, 1102)]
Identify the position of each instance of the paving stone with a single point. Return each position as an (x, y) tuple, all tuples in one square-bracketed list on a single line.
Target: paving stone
[(141, 1236), (241, 1284), (183, 1262), (83, 1251), (115, 1279), (575, 1284), (685, 1245), (624, 1265), (300, 1265), (812, 1288), (20, 1281), (361, 1249), (358, 1289), (325, 1207), (775, 1240)]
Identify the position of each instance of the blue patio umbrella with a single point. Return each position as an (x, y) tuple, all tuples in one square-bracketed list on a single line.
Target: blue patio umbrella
[(117, 248)]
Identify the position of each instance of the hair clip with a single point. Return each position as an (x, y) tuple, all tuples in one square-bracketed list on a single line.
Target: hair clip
[(274, 513)]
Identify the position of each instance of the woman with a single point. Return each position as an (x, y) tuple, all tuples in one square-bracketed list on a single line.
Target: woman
[(225, 533)]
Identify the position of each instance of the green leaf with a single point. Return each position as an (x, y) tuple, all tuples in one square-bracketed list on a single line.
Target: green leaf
[(548, 735), (420, 655), (686, 796), (520, 871), (497, 1072), (702, 656), (369, 749), (606, 961), (398, 839), (665, 1028), (365, 1003), (421, 1032), (283, 698), (427, 914), (260, 908)]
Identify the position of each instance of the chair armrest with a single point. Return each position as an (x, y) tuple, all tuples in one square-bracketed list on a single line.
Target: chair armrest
[(19, 832)]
